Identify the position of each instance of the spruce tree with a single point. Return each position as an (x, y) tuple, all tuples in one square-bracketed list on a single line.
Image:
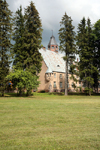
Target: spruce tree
[(5, 44), (96, 45), (18, 37), (33, 37), (85, 48), (67, 45)]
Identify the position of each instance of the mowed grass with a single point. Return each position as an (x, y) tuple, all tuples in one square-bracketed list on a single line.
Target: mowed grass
[(49, 122)]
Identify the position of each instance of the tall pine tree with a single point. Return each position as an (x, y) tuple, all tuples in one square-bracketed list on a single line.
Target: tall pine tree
[(33, 37), (67, 45), (96, 45), (84, 42), (5, 44), (18, 37)]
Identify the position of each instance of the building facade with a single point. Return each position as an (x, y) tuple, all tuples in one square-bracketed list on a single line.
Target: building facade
[(52, 75)]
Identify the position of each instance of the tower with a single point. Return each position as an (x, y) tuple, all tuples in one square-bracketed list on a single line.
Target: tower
[(52, 44)]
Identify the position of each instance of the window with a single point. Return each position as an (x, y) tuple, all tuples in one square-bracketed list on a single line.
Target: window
[(99, 85), (60, 84), (52, 47), (60, 75), (54, 84), (84, 84), (54, 75), (72, 84)]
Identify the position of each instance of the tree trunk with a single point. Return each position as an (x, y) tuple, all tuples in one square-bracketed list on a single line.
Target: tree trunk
[(66, 78), (2, 94), (89, 89)]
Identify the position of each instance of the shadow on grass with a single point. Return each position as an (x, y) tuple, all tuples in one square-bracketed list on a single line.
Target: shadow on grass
[(48, 94), (16, 95), (74, 93)]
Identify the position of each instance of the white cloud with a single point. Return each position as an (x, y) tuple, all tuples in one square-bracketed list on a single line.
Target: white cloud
[(51, 12)]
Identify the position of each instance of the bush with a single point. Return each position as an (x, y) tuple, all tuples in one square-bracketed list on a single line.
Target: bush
[(42, 91)]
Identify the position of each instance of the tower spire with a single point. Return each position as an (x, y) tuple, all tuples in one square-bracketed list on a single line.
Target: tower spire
[(52, 44)]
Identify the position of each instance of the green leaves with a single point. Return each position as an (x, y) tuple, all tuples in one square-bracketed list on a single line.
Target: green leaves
[(23, 80)]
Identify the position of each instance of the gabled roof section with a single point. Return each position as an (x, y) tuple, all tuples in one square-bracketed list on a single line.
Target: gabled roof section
[(52, 41), (54, 61), (49, 70)]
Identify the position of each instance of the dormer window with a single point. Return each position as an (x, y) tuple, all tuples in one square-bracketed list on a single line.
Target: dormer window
[(58, 66)]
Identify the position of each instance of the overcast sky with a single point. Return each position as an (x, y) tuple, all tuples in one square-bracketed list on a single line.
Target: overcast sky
[(52, 11)]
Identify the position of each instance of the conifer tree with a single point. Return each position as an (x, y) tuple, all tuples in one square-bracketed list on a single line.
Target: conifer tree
[(84, 42), (67, 45), (96, 45), (33, 37), (18, 37), (5, 44)]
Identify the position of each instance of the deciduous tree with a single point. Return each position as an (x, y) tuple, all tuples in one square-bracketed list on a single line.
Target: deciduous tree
[(23, 80)]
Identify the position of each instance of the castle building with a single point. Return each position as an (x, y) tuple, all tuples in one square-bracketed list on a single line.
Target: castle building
[(52, 75)]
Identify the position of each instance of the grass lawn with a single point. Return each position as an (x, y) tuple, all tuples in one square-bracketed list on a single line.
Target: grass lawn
[(50, 122)]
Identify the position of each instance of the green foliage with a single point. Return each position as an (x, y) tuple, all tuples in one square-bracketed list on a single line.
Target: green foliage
[(27, 37), (5, 45), (33, 37), (86, 54), (18, 37), (23, 80), (67, 36), (67, 45), (96, 45), (74, 71)]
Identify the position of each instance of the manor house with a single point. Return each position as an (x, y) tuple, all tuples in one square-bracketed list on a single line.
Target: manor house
[(52, 75)]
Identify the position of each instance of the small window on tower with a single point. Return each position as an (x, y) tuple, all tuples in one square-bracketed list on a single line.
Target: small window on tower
[(52, 47)]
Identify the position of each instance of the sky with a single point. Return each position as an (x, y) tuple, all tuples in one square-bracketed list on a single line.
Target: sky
[(52, 11)]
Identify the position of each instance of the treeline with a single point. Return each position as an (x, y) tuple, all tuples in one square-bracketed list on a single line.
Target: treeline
[(86, 43), (26, 32)]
